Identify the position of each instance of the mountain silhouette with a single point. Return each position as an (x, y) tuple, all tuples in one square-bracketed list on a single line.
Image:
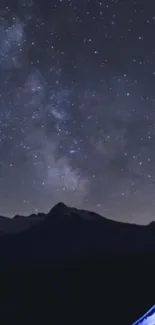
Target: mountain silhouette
[(67, 232), (74, 263)]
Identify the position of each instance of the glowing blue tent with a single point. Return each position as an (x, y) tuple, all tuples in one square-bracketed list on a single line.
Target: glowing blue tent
[(148, 318)]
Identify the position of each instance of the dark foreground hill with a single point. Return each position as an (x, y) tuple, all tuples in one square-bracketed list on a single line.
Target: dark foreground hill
[(75, 266), (71, 233)]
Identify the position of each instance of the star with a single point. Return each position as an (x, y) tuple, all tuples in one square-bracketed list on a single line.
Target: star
[(77, 108)]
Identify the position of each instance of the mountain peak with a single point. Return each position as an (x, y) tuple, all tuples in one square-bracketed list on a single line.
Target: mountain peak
[(58, 207)]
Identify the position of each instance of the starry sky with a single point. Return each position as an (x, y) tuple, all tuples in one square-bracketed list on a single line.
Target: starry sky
[(77, 107)]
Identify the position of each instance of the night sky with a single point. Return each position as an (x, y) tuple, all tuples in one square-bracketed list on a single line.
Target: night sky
[(77, 107)]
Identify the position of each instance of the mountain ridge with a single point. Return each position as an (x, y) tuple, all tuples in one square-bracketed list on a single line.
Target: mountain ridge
[(67, 232), (61, 213), (93, 261), (62, 207)]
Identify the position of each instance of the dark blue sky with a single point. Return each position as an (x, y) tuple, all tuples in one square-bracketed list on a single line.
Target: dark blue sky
[(77, 107)]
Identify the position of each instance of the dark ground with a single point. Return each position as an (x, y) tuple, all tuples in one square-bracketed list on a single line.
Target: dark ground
[(107, 290), (104, 273)]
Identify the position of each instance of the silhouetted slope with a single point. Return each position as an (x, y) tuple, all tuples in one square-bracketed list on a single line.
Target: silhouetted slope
[(70, 233), (76, 267)]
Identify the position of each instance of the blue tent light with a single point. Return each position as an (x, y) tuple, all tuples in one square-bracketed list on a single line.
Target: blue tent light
[(148, 318)]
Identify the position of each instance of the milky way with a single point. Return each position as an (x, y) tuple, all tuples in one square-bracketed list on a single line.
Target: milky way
[(77, 107)]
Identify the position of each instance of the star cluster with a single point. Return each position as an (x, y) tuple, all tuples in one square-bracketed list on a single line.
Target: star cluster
[(77, 107)]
